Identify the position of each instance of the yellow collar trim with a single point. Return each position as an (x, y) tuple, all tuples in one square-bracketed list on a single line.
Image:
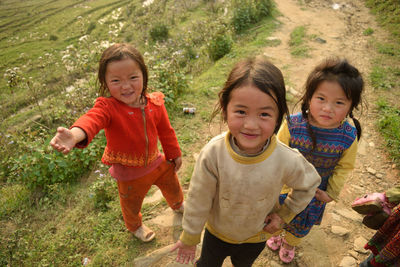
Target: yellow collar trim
[(250, 160)]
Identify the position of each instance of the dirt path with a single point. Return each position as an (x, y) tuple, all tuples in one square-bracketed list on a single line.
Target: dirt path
[(339, 240)]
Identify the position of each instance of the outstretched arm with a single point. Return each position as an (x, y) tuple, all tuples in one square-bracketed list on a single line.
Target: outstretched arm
[(66, 139)]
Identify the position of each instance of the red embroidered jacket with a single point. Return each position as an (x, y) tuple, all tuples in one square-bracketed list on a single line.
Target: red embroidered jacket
[(132, 133)]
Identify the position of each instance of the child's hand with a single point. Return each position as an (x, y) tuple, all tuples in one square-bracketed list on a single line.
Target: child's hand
[(66, 139), (322, 196), (273, 223), (186, 253), (178, 163)]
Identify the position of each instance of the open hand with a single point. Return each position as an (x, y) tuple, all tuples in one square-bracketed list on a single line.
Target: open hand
[(178, 163), (273, 223), (322, 196), (63, 141), (186, 253)]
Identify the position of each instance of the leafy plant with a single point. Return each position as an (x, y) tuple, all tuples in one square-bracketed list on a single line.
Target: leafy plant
[(389, 124), (249, 12), (159, 32), (220, 46), (368, 31)]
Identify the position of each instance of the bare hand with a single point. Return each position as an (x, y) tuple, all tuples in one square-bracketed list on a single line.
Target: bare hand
[(178, 163), (186, 253), (63, 141), (322, 196), (273, 223)]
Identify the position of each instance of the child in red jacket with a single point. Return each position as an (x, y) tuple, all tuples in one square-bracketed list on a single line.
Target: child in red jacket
[(133, 121)]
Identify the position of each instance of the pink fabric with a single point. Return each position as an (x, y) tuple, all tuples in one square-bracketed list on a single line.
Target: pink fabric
[(124, 174)]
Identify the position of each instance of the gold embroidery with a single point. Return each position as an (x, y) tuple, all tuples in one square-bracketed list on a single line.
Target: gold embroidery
[(128, 159)]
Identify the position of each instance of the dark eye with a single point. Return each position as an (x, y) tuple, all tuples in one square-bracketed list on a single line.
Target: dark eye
[(240, 112), (339, 103), (133, 77), (265, 114)]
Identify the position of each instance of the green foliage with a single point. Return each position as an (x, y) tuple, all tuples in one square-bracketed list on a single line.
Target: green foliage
[(13, 198), (368, 31), (389, 125), (159, 32), (379, 78), (248, 12), (102, 191), (220, 46), (91, 27), (53, 37), (41, 167), (297, 42), (388, 14)]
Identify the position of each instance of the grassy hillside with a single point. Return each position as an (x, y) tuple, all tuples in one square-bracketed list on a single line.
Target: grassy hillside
[(55, 209)]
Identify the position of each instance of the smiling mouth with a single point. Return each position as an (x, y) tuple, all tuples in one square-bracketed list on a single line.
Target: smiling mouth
[(128, 94), (251, 136)]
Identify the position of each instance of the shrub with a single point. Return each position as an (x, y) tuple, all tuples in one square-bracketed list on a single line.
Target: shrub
[(249, 12), (41, 167), (103, 191), (53, 37), (159, 32), (219, 46)]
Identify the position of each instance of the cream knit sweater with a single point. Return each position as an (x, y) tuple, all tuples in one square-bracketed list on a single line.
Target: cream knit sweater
[(233, 194)]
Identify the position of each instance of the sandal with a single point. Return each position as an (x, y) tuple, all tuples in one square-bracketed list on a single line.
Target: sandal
[(375, 221), (274, 242), (369, 204), (286, 255), (144, 233)]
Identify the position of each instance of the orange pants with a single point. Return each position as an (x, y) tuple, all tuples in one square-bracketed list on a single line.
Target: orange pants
[(132, 193)]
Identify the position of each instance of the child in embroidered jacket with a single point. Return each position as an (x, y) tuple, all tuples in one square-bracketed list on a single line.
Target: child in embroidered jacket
[(326, 138), (134, 121)]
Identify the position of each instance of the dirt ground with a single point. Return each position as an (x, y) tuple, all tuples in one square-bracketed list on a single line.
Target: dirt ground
[(339, 239)]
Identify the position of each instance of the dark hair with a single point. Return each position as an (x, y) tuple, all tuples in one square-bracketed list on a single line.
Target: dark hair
[(261, 73), (118, 52), (338, 70)]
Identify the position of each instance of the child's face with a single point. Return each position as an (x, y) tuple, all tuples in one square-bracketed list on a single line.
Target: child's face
[(251, 116), (328, 105), (124, 80)]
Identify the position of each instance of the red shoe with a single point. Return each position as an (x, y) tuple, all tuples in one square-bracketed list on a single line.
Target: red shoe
[(371, 204), (274, 242), (286, 255)]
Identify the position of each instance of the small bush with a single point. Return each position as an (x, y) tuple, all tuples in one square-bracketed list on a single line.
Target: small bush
[(103, 191), (219, 46), (40, 167), (53, 37), (159, 32), (368, 31), (249, 12)]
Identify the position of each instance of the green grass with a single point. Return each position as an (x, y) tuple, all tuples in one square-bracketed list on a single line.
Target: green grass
[(68, 222), (298, 42), (385, 74)]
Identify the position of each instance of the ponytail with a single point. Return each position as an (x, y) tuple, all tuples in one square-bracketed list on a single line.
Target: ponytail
[(357, 125)]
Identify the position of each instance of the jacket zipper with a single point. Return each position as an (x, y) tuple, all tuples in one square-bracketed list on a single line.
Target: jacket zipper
[(146, 137)]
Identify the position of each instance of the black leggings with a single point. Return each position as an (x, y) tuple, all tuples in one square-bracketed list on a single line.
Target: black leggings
[(214, 251)]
